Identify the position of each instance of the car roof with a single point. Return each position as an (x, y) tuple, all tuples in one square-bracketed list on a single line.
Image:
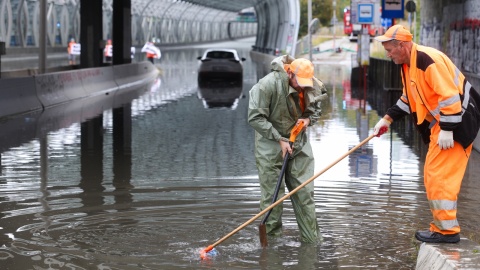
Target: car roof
[(223, 53), (221, 50)]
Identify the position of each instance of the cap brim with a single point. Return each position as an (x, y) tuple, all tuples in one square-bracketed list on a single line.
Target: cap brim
[(304, 82), (383, 38)]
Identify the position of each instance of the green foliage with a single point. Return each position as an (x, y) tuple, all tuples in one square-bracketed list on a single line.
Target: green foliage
[(341, 5), (323, 11)]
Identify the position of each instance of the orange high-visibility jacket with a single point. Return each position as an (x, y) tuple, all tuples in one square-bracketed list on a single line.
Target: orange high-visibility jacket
[(432, 90), (70, 45)]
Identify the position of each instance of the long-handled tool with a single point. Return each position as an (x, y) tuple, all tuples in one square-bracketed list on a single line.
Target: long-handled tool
[(204, 252), (262, 228)]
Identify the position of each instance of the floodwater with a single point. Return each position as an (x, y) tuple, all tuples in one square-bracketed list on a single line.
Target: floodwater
[(153, 190)]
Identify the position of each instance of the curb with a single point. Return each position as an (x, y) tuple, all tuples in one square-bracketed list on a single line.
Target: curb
[(462, 255)]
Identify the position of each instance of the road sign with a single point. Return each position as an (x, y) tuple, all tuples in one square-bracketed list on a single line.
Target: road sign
[(411, 6), (362, 11), (365, 13), (392, 8)]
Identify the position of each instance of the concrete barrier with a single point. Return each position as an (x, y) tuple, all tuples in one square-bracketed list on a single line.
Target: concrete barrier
[(25, 94), (55, 88), (68, 97), (97, 81), (133, 75), (463, 255), (77, 111), (123, 97), (60, 87), (262, 61), (17, 95)]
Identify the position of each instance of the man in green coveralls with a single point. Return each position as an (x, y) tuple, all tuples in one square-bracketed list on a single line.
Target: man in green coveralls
[(288, 94)]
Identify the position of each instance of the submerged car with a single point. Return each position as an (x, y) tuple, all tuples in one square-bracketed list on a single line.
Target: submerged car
[(220, 67)]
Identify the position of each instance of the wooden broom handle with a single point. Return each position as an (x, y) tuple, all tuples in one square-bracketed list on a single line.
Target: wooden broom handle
[(288, 195)]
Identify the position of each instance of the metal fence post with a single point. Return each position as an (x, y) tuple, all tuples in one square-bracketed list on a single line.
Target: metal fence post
[(2, 52)]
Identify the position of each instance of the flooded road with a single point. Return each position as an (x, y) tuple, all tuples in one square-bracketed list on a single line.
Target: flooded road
[(182, 175)]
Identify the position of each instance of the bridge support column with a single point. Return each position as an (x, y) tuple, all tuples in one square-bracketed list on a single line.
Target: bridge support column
[(122, 31), (91, 33)]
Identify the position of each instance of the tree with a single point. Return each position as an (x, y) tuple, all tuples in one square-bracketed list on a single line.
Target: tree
[(322, 10), (341, 5)]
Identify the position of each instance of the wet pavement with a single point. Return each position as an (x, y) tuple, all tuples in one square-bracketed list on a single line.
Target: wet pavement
[(154, 189)]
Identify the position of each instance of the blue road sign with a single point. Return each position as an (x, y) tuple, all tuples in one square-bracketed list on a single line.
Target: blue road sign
[(392, 8), (365, 13)]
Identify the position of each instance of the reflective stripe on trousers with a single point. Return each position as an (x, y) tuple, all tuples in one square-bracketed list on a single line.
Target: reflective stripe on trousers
[(443, 175)]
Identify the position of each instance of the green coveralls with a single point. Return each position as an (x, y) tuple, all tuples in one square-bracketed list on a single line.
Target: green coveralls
[(273, 110)]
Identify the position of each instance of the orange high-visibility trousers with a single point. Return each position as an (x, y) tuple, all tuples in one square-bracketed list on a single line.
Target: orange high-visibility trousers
[(443, 175)]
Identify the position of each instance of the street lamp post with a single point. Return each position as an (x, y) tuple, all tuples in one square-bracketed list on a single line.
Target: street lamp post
[(312, 27), (334, 21), (42, 59), (309, 32)]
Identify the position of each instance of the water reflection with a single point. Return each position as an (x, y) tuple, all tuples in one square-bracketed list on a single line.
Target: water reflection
[(221, 95), (150, 183), (122, 156), (91, 165)]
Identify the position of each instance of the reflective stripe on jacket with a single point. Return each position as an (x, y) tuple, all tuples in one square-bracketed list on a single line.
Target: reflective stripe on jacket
[(432, 86)]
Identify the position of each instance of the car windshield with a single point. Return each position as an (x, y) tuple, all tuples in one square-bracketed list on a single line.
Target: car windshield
[(220, 55)]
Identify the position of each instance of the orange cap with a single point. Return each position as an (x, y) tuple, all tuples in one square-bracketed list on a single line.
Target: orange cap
[(303, 70), (398, 32)]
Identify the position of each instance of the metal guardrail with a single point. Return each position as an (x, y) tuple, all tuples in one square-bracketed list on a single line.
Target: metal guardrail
[(385, 74)]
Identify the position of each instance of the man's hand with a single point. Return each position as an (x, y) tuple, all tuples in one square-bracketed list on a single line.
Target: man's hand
[(381, 127), (445, 139), (306, 122), (285, 147)]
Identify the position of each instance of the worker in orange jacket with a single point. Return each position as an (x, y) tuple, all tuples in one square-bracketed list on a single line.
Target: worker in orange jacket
[(152, 52), (71, 56), (433, 88)]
